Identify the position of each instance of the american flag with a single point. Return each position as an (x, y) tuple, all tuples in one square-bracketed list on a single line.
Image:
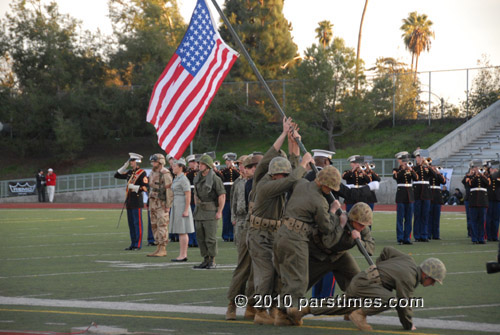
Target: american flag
[(188, 84)]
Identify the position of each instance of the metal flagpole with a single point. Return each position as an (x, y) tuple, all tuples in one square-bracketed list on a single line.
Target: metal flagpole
[(278, 107)]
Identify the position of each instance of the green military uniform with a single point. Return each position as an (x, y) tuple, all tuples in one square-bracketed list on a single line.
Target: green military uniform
[(207, 190), (398, 271), (238, 208), (265, 220), (328, 253), (306, 210)]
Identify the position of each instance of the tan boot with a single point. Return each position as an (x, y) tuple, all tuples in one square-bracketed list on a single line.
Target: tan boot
[(273, 312), (295, 315), (250, 313), (231, 311), (359, 319), (155, 252), (160, 252), (282, 320), (262, 318)]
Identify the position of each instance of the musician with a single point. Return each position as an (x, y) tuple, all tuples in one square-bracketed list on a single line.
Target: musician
[(369, 169), (478, 201), (355, 178), (437, 200)]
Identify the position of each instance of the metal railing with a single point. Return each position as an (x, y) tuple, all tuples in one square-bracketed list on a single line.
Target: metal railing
[(74, 182)]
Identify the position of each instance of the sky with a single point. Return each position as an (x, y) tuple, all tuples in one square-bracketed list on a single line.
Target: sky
[(465, 30)]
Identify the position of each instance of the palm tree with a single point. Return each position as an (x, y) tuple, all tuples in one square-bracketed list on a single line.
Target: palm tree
[(324, 32), (359, 45), (417, 35)]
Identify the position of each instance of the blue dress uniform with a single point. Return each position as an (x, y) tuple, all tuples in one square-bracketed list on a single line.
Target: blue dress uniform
[(134, 204), (372, 199), (190, 174), (422, 205), (404, 201), (436, 202), (229, 175), (355, 179), (493, 213), (466, 203), (478, 203)]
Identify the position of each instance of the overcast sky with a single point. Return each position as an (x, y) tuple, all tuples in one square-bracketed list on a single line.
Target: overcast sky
[(465, 30)]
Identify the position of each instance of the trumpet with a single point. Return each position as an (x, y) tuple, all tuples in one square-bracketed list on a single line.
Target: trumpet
[(439, 168), (363, 167), (410, 164), (371, 166), (216, 163), (481, 170)]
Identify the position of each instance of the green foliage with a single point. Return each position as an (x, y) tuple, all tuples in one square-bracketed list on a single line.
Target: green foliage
[(264, 32), (68, 137), (485, 88), (417, 35), (324, 33)]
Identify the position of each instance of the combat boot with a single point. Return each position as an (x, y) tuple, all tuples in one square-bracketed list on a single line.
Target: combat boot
[(155, 252), (250, 313), (203, 264), (231, 311), (162, 251), (211, 263), (359, 319), (281, 319), (262, 318), (295, 315)]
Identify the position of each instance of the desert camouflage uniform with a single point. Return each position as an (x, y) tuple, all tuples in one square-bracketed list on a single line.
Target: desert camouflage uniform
[(160, 201)]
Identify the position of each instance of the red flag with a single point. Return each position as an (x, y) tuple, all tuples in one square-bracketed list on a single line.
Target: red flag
[(188, 84)]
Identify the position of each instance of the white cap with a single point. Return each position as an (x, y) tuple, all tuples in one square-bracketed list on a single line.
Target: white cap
[(323, 153), (229, 156), (136, 157), (190, 158), (50, 170), (424, 153), (354, 159)]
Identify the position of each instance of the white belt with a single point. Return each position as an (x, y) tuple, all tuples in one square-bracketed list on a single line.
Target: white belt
[(229, 183), (436, 187), (421, 182), (404, 185), (192, 186), (478, 189), (354, 186)]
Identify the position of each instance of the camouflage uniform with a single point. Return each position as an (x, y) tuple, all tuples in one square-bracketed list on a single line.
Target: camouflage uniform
[(160, 201), (238, 208)]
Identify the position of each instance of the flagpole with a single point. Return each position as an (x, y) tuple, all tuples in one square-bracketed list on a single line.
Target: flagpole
[(278, 107)]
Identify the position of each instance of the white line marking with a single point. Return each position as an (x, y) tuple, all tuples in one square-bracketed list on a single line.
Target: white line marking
[(159, 292)]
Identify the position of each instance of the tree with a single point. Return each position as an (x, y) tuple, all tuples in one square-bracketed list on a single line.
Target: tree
[(323, 99), (417, 36), (358, 50), (265, 33), (324, 33), (485, 87)]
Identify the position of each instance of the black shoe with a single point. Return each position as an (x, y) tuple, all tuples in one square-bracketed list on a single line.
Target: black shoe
[(151, 244), (436, 238), (425, 240), (407, 242), (203, 265), (400, 243), (135, 248), (129, 248), (481, 242), (474, 242), (211, 265), (179, 260)]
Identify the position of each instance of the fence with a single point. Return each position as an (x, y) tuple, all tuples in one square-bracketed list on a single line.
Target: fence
[(74, 182)]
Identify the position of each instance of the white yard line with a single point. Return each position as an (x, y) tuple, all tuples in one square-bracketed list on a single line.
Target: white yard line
[(211, 310)]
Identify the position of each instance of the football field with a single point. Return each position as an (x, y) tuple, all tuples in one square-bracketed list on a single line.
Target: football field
[(62, 268)]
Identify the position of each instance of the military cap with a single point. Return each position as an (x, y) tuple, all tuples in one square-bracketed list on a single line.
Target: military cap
[(158, 158), (323, 153), (434, 268), (257, 153), (207, 160), (241, 159), (211, 154), (361, 213), (355, 159), (229, 156), (135, 157), (476, 163), (252, 160), (329, 176), (400, 154), (493, 164), (50, 170), (180, 161), (197, 157), (279, 165), (190, 158), (421, 152)]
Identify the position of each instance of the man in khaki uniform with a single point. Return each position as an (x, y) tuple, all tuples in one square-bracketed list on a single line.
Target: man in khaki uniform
[(394, 271), (210, 197), (307, 209), (160, 201)]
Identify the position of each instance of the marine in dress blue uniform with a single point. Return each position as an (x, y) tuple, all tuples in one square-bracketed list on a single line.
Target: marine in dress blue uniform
[(478, 201), (137, 182), (355, 178), (422, 193), (466, 201), (437, 201), (369, 168), (229, 175), (405, 198), (493, 213)]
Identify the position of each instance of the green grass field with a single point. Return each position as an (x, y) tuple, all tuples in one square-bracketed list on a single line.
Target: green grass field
[(70, 268)]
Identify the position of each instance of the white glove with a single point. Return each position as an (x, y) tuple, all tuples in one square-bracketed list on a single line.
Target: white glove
[(123, 169), (134, 188), (348, 185), (374, 185)]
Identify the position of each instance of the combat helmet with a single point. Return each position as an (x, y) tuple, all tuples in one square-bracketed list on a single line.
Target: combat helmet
[(434, 268), (361, 213), (158, 158), (329, 177), (279, 165), (207, 160)]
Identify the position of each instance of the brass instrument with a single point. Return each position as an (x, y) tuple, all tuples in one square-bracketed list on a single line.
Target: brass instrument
[(216, 163), (371, 166), (363, 167), (410, 164), (481, 170)]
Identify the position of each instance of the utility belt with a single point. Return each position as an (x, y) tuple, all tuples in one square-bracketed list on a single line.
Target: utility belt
[(264, 224), (373, 275), (475, 189), (298, 226), (161, 193), (250, 207), (207, 206)]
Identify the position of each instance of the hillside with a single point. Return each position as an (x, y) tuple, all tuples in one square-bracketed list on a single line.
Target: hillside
[(381, 142)]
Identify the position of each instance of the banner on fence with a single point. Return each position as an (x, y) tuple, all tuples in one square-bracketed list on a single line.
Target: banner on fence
[(22, 188)]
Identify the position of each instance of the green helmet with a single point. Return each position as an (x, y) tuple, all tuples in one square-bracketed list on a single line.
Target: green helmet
[(158, 158), (329, 177), (434, 268), (361, 213), (279, 165), (207, 160)]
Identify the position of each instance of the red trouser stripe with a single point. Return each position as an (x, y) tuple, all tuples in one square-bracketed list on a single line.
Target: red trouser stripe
[(139, 242)]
